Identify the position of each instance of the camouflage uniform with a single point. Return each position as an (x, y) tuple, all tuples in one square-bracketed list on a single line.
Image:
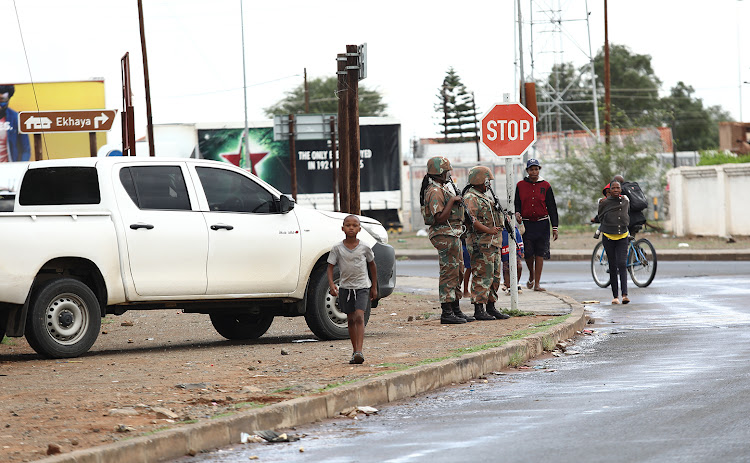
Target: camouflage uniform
[(446, 238), (484, 248)]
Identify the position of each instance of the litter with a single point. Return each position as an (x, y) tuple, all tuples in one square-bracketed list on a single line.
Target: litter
[(352, 412), (590, 302), (273, 436), (305, 340)]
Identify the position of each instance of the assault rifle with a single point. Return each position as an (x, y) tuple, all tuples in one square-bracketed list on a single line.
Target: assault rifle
[(509, 227)]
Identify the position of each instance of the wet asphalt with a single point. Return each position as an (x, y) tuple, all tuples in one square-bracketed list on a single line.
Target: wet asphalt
[(663, 379)]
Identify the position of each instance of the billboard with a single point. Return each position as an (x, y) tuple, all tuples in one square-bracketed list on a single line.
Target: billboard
[(51, 96), (270, 160)]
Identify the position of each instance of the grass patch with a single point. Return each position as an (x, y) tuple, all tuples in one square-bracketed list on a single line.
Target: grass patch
[(249, 405), (7, 341), (516, 313), (548, 344), (517, 358), (283, 389), (427, 315)]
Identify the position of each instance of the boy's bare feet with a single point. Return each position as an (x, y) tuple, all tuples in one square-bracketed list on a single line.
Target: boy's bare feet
[(615, 301), (539, 288)]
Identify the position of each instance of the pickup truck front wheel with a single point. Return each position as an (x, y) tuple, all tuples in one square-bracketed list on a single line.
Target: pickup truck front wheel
[(323, 316), (64, 319), (241, 326)]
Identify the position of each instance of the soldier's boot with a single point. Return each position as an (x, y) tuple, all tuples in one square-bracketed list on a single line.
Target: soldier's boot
[(481, 314), (494, 312), (447, 317), (457, 312)]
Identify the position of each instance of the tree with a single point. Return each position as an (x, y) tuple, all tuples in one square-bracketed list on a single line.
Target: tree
[(635, 100), (323, 100), (457, 107), (579, 179)]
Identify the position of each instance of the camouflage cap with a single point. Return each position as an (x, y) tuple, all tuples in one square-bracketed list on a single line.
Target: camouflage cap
[(438, 165), (478, 175)]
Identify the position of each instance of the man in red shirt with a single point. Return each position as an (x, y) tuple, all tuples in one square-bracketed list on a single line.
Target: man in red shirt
[(536, 209)]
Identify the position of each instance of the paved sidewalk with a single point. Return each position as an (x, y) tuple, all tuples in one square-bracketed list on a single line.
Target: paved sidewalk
[(585, 254)]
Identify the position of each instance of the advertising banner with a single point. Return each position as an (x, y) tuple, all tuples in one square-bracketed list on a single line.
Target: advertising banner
[(48, 96), (270, 160)]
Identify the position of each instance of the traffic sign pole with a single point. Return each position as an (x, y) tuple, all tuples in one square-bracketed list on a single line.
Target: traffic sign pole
[(509, 130)]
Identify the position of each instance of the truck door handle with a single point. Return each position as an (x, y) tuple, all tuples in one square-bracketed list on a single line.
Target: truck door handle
[(220, 226), (136, 226)]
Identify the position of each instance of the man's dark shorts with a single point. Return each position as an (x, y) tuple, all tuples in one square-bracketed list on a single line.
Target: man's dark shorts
[(353, 299), (536, 239)]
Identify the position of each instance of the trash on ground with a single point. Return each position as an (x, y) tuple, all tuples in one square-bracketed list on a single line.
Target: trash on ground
[(683, 245), (590, 302), (422, 232), (246, 438), (305, 340), (352, 412), (572, 352), (273, 436)]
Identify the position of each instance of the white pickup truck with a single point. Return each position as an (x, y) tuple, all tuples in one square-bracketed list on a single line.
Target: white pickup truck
[(94, 236)]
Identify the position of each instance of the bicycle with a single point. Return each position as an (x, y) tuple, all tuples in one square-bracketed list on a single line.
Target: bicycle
[(641, 263)]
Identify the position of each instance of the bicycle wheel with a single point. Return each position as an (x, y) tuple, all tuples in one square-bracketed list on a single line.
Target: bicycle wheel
[(600, 266), (642, 262)]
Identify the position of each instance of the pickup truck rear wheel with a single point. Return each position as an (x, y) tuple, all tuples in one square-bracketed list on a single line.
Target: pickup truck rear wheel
[(323, 316), (64, 319), (241, 326)]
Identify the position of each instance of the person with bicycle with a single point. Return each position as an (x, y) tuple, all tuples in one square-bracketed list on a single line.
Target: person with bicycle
[(613, 214)]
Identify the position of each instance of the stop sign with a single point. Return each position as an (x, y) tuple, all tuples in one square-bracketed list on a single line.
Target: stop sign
[(508, 129)]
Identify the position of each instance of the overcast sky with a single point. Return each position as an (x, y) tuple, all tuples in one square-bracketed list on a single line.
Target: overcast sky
[(195, 49)]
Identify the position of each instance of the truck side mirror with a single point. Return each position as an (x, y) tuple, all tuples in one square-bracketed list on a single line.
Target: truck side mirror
[(286, 204)]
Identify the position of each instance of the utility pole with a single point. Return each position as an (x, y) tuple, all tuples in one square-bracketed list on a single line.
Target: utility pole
[(245, 158), (307, 95), (476, 128), (352, 68), (292, 157), (343, 110), (149, 121), (607, 96)]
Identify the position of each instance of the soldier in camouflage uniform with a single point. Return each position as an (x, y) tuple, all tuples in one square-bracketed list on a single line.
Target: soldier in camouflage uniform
[(443, 211), (483, 241)]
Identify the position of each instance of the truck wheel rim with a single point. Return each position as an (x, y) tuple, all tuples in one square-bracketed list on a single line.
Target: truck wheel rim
[(66, 319), (338, 317)]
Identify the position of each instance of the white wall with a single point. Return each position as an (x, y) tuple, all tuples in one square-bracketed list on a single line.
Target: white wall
[(709, 200)]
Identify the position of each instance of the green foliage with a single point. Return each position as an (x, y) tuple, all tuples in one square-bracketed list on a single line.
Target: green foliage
[(323, 100), (635, 101), (712, 158), (579, 179), (457, 108)]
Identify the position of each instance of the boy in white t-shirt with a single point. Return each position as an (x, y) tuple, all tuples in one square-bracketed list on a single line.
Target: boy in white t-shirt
[(357, 290)]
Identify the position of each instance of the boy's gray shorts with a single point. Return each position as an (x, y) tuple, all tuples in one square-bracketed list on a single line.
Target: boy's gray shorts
[(353, 299)]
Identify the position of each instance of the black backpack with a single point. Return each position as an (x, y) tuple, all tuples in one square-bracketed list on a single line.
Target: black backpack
[(638, 201)]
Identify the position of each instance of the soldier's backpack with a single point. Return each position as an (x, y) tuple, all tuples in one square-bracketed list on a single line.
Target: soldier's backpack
[(638, 201)]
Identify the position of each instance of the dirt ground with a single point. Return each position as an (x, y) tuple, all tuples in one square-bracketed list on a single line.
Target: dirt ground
[(144, 361)]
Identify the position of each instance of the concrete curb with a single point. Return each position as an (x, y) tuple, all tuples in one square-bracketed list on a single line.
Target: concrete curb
[(220, 432), (585, 254)]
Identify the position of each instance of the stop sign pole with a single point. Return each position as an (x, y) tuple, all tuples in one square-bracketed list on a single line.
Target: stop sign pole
[(509, 130)]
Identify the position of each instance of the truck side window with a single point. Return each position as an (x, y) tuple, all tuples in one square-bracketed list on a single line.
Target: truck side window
[(228, 191), (156, 187), (51, 186)]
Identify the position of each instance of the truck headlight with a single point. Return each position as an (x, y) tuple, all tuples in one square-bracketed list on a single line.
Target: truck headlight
[(377, 231)]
